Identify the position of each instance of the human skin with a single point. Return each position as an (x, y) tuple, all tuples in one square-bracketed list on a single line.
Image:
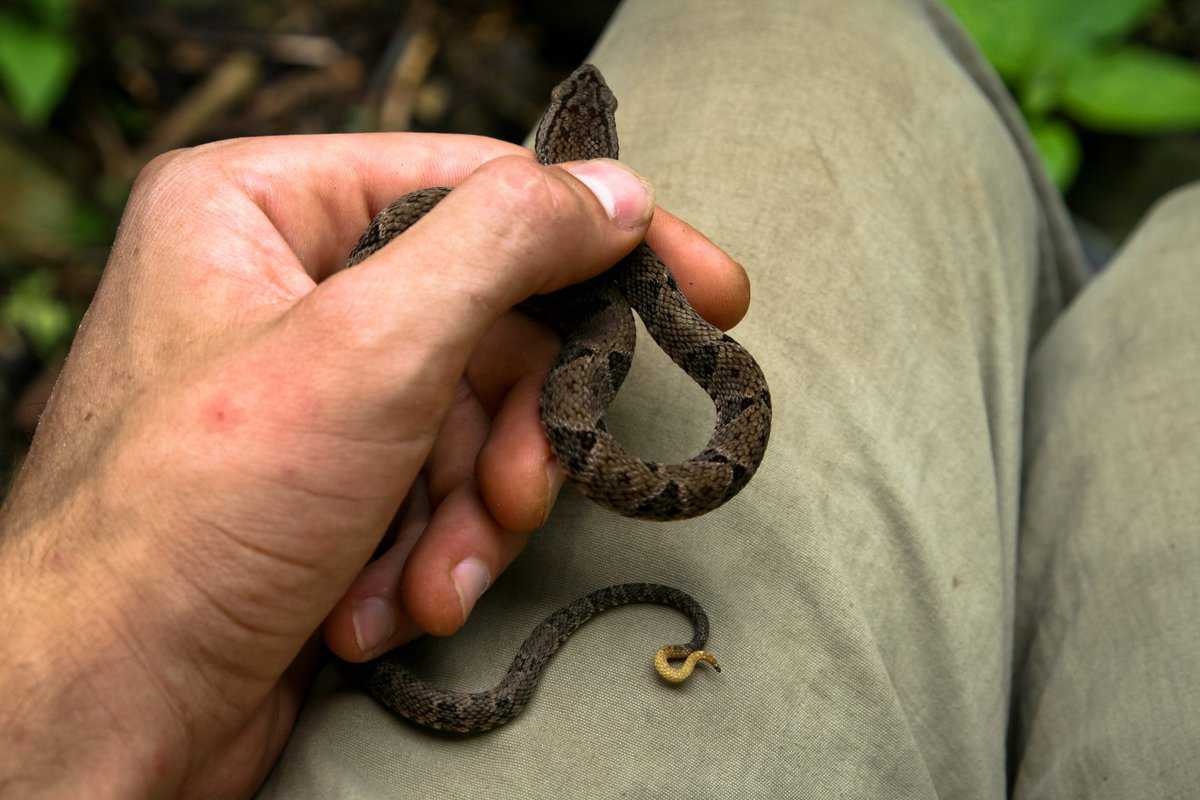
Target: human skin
[(240, 421)]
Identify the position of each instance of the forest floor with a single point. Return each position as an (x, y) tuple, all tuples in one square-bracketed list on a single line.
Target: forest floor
[(152, 76)]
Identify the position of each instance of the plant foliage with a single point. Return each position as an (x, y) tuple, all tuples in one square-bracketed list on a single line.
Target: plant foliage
[(37, 57), (1072, 58)]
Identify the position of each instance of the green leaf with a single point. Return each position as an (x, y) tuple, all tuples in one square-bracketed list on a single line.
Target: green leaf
[(33, 309), (1019, 37), (1092, 21), (1009, 34), (1059, 148), (1040, 91), (1134, 90), (35, 67)]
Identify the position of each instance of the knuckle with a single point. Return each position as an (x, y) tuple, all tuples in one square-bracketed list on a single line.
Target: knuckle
[(161, 167), (239, 154), (165, 186), (529, 192), (203, 161)]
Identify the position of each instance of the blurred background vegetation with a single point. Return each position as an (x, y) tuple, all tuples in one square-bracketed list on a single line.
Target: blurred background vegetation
[(91, 90)]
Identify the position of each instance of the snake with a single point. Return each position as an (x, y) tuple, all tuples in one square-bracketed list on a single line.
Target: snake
[(594, 320)]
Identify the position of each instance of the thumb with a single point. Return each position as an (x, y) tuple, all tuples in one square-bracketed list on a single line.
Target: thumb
[(406, 320)]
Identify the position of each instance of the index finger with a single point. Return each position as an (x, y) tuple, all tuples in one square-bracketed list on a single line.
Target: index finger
[(320, 191), (716, 285)]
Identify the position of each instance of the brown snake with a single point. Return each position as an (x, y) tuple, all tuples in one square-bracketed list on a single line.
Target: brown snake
[(595, 321)]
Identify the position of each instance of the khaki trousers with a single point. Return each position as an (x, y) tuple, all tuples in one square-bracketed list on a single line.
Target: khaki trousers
[(970, 564)]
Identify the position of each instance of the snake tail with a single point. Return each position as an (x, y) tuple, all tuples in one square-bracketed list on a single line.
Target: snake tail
[(414, 699), (674, 652)]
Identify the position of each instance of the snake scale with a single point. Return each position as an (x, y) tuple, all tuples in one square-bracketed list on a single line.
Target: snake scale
[(595, 321)]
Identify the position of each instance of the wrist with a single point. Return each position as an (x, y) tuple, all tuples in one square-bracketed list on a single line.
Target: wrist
[(81, 715)]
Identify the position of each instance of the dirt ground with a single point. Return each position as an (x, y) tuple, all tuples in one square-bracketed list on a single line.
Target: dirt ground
[(153, 76)]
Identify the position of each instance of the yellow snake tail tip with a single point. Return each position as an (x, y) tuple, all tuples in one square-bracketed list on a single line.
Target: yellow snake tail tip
[(672, 674)]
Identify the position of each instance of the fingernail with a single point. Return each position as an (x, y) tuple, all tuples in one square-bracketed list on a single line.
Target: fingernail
[(555, 478), (471, 578), (374, 623), (627, 197)]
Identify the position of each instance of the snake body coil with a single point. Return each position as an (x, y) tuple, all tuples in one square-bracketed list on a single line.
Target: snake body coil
[(595, 320)]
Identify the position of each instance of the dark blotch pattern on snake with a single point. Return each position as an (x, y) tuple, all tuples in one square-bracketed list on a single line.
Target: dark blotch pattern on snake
[(596, 324), (474, 712)]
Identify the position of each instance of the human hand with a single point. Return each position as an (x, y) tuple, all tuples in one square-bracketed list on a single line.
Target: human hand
[(239, 422)]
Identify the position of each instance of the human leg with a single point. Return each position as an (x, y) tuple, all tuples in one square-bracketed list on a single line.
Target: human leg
[(861, 588), (1107, 688)]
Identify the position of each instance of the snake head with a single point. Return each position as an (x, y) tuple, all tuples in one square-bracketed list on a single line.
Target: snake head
[(580, 122)]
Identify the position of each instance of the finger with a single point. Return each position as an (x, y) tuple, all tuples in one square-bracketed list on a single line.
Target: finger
[(456, 560), (452, 460), (379, 620), (513, 229), (403, 323), (716, 285), (370, 618), (519, 477), (516, 346), (321, 191)]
